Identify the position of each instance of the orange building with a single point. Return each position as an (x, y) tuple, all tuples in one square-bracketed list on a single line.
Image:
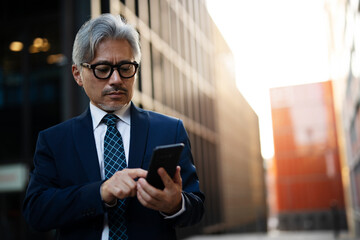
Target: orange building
[(306, 168)]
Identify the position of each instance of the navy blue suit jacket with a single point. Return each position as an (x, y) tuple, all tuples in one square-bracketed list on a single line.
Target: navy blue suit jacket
[(64, 188)]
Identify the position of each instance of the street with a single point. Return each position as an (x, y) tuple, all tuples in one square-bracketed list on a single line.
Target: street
[(277, 235)]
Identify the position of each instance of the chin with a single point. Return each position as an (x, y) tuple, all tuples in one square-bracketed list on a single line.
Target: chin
[(112, 108)]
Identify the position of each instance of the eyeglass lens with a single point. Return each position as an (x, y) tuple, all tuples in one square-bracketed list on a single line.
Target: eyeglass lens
[(126, 70)]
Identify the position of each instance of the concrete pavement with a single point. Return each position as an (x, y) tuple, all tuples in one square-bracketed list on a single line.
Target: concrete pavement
[(277, 235)]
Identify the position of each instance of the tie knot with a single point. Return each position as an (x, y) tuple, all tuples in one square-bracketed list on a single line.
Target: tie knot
[(110, 119)]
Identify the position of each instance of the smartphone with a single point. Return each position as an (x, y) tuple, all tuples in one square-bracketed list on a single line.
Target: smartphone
[(166, 156)]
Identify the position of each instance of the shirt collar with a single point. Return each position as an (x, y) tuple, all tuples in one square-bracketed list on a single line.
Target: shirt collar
[(97, 114)]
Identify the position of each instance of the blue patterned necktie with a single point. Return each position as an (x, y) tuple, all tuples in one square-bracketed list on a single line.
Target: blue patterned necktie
[(114, 160)]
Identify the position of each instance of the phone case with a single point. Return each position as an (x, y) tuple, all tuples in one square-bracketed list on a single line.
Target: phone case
[(166, 156)]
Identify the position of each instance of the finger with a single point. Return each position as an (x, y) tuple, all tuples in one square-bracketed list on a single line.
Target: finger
[(153, 192), (144, 194), (143, 202), (144, 198), (137, 173), (177, 176), (131, 184), (123, 185), (165, 178), (140, 198), (120, 191)]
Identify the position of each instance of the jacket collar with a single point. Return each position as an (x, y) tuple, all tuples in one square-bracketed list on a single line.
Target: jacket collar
[(85, 145), (138, 136)]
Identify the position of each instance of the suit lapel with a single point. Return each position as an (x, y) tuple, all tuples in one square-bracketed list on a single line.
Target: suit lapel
[(138, 136), (85, 145)]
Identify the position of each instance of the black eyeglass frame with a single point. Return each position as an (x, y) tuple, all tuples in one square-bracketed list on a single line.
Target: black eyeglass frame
[(117, 66)]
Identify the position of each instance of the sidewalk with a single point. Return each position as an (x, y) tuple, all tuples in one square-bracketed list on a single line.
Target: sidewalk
[(277, 235)]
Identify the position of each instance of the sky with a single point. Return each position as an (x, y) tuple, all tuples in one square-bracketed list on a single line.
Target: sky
[(275, 43)]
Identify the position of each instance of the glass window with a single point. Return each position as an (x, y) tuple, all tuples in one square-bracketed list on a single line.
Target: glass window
[(29, 75)]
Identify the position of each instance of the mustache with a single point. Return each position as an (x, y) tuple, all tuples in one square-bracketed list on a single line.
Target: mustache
[(113, 89)]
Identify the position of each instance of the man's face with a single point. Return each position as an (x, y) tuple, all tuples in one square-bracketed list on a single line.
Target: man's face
[(113, 93)]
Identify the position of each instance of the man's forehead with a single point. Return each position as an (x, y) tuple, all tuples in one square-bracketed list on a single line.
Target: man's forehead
[(110, 48)]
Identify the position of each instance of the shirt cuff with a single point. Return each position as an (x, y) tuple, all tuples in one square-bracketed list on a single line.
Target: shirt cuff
[(111, 205), (179, 212)]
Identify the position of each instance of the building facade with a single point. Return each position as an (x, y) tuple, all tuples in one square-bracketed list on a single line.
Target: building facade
[(306, 165), (240, 163), (182, 74), (344, 60)]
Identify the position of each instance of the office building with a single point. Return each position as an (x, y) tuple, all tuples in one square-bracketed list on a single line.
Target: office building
[(306, 166), (344, 53)]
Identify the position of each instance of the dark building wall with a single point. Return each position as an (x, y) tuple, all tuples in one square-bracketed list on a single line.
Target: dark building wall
[(36, 92)]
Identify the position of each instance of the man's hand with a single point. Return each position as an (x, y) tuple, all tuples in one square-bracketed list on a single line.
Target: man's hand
[(121, 185), (168, 200)]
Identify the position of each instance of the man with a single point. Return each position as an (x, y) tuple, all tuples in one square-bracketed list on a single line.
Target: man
[(75, 187)]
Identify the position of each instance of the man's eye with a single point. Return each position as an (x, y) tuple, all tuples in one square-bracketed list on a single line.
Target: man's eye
[(126, 67), (104, 68)]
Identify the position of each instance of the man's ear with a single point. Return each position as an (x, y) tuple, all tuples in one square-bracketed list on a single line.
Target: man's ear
[(77, 75)]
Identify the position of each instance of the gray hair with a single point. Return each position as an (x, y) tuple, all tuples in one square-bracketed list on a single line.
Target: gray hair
[(106, 26)]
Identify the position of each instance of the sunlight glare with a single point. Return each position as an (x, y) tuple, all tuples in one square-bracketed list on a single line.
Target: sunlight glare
[(275, 43)]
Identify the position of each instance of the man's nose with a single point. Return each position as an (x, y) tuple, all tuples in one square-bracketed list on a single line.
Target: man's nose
[(115, 77)]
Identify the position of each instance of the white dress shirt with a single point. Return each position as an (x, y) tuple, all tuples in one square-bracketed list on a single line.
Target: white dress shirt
[(123, 127), (99, 133), (100, 129)]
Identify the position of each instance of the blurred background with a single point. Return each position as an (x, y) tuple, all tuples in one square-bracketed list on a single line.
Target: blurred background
[(269, 91)]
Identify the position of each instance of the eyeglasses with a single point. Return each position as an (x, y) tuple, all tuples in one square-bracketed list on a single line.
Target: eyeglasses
[(104, 70)]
